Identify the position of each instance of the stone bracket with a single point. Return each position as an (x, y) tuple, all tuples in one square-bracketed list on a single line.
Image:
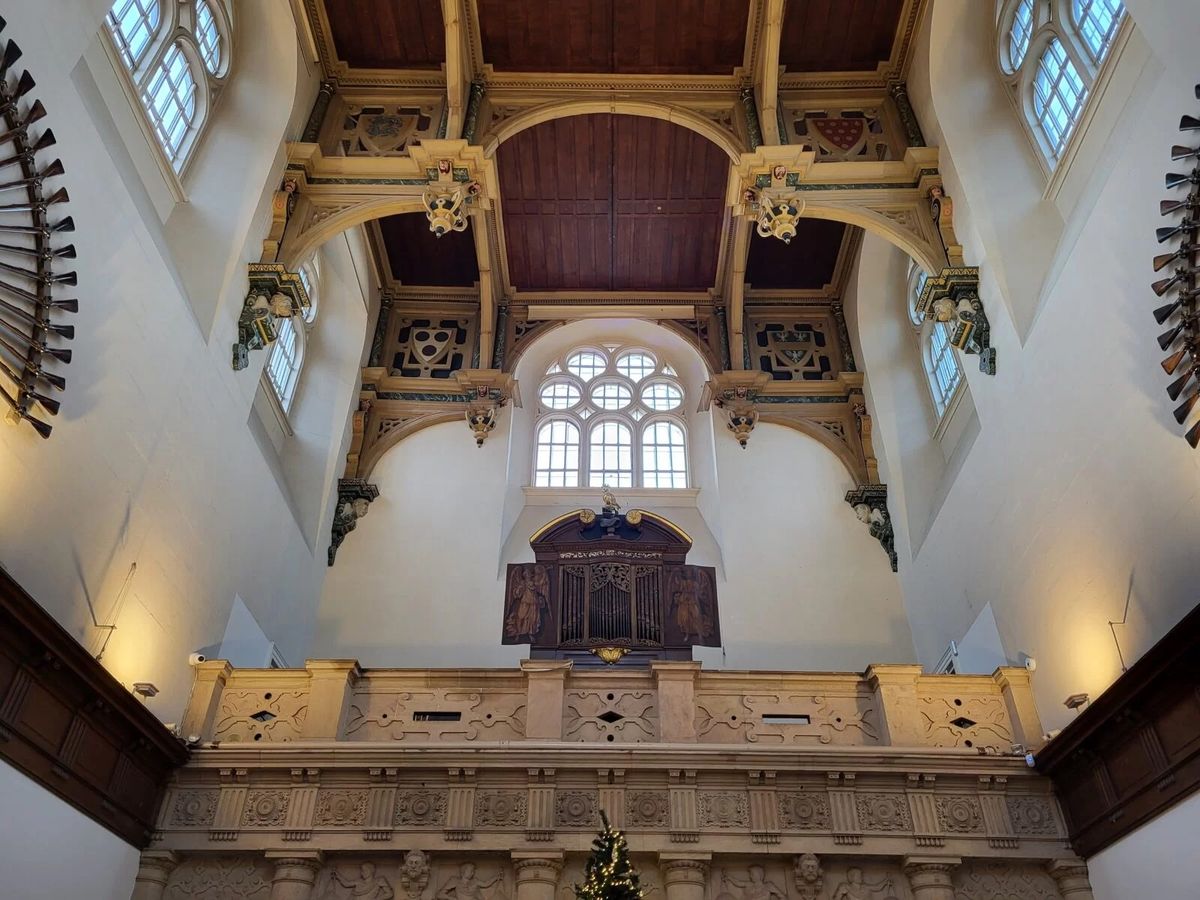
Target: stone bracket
[(870, 505), (274, 293), (952, 298), (353, 502)]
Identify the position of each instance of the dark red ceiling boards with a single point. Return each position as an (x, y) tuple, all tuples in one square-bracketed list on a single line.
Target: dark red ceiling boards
[(838, 35), (652, 37), (607, 202), (418, 257), (388, 34), (807, 263)]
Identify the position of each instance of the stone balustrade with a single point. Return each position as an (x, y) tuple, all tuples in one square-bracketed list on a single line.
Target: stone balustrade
[(668, 703)]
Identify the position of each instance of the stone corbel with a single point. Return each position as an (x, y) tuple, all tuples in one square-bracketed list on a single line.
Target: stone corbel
[(354, 500), (489, 391), (870, 505), (952, 297), (274, 293), (734, 393)]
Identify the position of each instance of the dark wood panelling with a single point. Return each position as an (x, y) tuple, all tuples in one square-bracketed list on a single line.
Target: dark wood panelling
[(419, 257), (388, 34), (807, 263), (1135, 752), (612, 203), (838, 35), (686, 37), (71, 727)]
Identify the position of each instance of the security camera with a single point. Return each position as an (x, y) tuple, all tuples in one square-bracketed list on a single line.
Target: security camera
[(192, 741), (194, 659), (1031, 664)]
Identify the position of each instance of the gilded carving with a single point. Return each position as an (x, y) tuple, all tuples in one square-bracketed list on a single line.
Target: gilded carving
[(420, 808), (1000, 881), (803, 811), (724, 809), (341, 807), (260, 716), (883, 812), (265, 808), (193, 808), (1031, 816), (646, 809), (612, 716), (501, 808), (529, 602), (219, 879), (959, 814), (576, 808)]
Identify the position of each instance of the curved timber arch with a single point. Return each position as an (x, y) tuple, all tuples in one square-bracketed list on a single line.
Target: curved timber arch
[(394, 435), (320, 223), (677, 115), (900, 226), (839, 448)]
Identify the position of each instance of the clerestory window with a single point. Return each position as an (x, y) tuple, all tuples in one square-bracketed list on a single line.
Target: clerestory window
[(610, 415)]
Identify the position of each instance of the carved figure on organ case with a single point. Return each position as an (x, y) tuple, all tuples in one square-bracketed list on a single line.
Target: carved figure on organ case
[(466, 886), (529, 602), (367, 886), (688, 596), (755, 886)]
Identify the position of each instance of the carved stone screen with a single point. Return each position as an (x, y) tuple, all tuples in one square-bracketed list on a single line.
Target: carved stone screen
[(608, 587)]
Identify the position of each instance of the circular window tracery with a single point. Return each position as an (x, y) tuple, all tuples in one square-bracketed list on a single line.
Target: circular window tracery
[(610, 416)]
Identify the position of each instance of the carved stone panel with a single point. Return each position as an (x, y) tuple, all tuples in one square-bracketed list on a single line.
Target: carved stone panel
[(193, 809), (503, 809), (576, 809), (883, 812), (784, 718), (386, 129), (959, 814), (724, 809), (647, 809), (1032, 816), (220, 878), (804, 811), (865, 880), (616, 716), (977, 880), (420, 808), (341, 807), (440, 714), (265, 809), (267, 716), (978, 722)]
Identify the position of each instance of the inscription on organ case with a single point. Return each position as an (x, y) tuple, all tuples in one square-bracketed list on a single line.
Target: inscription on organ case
[(613, 587)]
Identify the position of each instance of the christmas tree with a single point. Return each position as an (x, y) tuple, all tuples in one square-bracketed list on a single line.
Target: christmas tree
[(608, 872)]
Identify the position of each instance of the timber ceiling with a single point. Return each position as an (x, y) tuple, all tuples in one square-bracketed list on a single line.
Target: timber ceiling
[(608, 203), (684, 37), (618, 203)]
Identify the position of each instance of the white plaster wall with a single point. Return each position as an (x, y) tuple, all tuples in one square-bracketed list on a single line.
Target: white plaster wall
[(1157, 860), (1078, 499), (52, 851), (152, 460), (802, 584)]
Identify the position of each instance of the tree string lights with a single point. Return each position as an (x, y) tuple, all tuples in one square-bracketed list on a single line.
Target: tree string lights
[(608, 873)]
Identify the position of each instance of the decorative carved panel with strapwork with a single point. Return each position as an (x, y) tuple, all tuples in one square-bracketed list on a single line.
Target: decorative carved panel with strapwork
[(799, 344)]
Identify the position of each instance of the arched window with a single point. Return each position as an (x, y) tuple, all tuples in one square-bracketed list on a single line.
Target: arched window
[(286, 358), (1050, 53), (942, 369), (610, 415), (176, 54)]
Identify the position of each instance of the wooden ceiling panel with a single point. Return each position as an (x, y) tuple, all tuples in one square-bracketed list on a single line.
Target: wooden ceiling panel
[(807, 263), (653, 37), (419, 257), (838, 35), (388, 34), (603, 202)]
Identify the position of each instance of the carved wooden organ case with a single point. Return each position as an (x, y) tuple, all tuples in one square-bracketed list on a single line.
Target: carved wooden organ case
[(609, 587)]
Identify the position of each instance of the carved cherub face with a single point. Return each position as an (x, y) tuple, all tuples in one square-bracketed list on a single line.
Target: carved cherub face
[(281, 305), (361, 505), (863, 512)]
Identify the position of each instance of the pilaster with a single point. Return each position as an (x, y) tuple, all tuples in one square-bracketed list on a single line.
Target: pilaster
[(295, 873), (1071, 877), (154, 868), (685, 876), (843, 810), (331, 684), (927, 832), (536, 873), (209, 684), (460, 805), (612, 795), (764, 808), (676, 683), (540, 823), (381, 802), (996, 820), (301, 805), (1016, 685), (230, 801), (930, 877), (544, 711), (896, 690), (685, 827)]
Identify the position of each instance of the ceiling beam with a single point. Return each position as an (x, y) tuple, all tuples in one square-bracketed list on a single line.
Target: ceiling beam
[(458, 65), (766, 71)]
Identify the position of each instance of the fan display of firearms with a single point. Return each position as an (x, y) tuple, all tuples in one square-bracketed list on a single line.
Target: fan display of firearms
[(30, 261), (1182, 286)]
